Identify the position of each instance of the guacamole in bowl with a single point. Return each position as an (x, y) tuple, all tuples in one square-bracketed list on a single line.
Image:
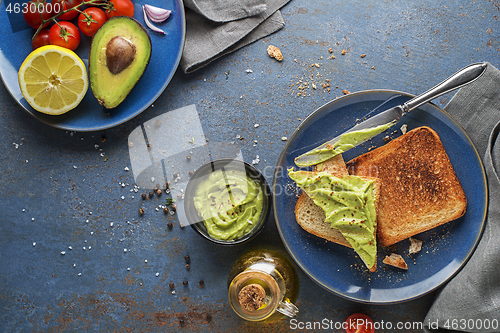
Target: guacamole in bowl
[(227, 201)]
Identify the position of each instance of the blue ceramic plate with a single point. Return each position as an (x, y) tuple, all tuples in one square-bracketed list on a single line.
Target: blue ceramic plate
[(15, 45), (445, 249)]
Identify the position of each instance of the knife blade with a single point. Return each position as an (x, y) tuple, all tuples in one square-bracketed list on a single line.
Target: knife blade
[(377, 124)]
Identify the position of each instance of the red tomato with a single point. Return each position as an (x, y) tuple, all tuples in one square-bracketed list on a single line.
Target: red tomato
[(67, 4), (90, 20), (32, 11), (359, 323), (120, 8), (65, 34), (41, 39)]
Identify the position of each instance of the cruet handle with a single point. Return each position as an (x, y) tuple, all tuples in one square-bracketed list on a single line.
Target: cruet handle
[(288, 309)]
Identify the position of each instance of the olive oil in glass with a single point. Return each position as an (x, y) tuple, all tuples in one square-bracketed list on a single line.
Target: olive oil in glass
[(263, 285)]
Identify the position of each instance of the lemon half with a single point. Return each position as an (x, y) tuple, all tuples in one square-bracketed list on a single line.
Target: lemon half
[(53, 79)]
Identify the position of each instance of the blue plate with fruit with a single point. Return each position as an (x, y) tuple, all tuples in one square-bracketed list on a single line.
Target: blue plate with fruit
[(89, 115)]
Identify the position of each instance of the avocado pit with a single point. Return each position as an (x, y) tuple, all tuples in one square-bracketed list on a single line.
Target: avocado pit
[(120, 53)]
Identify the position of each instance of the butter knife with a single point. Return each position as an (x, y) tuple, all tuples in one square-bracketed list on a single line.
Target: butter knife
[(377, 124)]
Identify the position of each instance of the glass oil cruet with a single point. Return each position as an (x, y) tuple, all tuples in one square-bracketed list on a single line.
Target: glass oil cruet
[(261, 285)]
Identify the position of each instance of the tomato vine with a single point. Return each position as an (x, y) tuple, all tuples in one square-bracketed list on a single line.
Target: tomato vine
[(44, 21)]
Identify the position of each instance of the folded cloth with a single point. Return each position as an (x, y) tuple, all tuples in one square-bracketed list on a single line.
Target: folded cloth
[(224, 10), (210, 34), (470, 302)]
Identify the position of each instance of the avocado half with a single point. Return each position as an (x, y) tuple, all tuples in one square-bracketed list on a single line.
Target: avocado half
[(119, 54)]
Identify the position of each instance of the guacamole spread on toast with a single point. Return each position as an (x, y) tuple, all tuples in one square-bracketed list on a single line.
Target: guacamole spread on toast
[(349, 206)]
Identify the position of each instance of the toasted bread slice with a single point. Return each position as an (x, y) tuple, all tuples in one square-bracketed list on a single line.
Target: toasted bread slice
[(312, 218), (419, 190), (335, 166)]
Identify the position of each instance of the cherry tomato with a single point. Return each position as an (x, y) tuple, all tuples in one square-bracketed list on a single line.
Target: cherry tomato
[(90, 20), (120, 8), (359, 323), (41, 39), (65, 34), (64, 5), (32, 11)]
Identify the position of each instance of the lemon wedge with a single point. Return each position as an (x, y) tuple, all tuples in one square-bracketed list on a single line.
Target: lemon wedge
[(53, 79)]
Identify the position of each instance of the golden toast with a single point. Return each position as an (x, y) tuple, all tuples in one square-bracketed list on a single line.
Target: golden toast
[(419, 188)]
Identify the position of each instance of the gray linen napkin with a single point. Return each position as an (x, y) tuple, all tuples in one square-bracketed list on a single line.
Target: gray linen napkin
[(472, 298), (216, 28), (224, 10)]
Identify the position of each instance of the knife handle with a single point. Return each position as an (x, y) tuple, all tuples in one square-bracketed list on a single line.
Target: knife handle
[(461, 78)]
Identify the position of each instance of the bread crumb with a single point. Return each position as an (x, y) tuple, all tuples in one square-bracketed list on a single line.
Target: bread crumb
[(395, 260), (415, 245), (342, 52), (363, 55), (345, 92), (274, 52), (404, 128)]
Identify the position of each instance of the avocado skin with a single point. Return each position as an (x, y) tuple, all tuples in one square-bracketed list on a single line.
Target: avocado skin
[(111, 89)]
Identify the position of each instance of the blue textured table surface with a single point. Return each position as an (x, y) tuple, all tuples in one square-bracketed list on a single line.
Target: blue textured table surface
[(62, 189)]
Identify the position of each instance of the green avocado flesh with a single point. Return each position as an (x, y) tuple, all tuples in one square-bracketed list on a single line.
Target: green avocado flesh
[(230, 203), (347, 141), (119, 54), (349, 206)]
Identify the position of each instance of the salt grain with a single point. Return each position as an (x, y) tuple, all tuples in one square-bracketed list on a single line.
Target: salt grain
[(256, 160)]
